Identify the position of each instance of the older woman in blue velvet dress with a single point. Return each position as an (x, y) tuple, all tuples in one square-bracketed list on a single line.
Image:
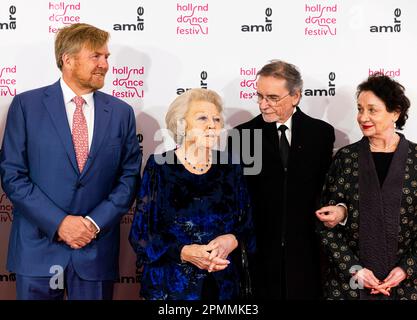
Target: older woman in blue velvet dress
[(192, 211)]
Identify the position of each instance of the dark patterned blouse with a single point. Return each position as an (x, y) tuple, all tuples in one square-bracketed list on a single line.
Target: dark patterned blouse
[(177, 208)]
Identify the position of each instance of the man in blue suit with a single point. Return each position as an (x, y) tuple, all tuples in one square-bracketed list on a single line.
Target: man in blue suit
[(70, 164)]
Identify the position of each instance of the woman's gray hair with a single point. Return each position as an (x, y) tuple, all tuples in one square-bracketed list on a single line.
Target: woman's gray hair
[(177, 111)]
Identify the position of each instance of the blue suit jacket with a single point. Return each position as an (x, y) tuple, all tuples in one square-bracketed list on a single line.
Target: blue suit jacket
[(41, 178)]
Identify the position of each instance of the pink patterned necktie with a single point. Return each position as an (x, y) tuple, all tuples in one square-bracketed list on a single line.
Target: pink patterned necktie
[(80, 133)]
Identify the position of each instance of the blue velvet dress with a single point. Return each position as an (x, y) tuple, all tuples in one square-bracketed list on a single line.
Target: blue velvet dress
[(177, 208)]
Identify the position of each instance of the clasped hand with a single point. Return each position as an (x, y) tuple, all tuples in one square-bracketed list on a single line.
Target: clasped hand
[(212, 256), (76, 231), (368, 279)]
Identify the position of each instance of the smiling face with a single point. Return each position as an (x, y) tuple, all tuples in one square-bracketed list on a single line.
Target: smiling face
[(85, 71), (203, 125), (373, 118)]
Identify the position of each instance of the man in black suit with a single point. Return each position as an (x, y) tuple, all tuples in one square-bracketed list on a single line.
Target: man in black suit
[(296, 153)]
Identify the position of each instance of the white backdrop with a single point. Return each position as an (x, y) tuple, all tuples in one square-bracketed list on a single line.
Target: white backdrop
[(162, 47)]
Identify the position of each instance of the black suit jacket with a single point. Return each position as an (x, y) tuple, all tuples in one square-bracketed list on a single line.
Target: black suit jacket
[(286, 264)]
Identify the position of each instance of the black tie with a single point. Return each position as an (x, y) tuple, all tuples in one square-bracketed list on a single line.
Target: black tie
[(284, 146)]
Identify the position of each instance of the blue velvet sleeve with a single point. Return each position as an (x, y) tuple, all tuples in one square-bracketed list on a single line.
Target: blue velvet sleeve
[(244, 228), (147, 236)]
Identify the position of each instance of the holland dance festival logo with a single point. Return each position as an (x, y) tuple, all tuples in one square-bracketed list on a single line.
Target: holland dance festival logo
[(7, 81), (128, 217), (6, 209), (248, 83), (320, 20), (128, 82), (62, 14), (388, 72), (192, 19)]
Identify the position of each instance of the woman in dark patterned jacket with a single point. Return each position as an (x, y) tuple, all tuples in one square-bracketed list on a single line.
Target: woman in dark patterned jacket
[(192, 210), (374, 254)]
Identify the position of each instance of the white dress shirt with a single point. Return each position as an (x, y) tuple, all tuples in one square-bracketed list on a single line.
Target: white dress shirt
[(287, 123)]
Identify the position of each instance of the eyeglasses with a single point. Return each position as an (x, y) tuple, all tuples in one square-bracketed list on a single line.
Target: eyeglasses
[(272, 100)]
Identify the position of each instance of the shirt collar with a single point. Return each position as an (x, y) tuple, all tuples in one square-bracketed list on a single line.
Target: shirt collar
[(288, 123), (69, 94)]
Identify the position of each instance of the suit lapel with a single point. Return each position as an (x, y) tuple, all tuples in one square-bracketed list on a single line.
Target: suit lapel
[(102, 116), (298, 133), (54, 103), (271, 140)]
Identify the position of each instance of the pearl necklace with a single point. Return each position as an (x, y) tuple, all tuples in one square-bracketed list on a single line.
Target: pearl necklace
[(386, 148), (205, 167)]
